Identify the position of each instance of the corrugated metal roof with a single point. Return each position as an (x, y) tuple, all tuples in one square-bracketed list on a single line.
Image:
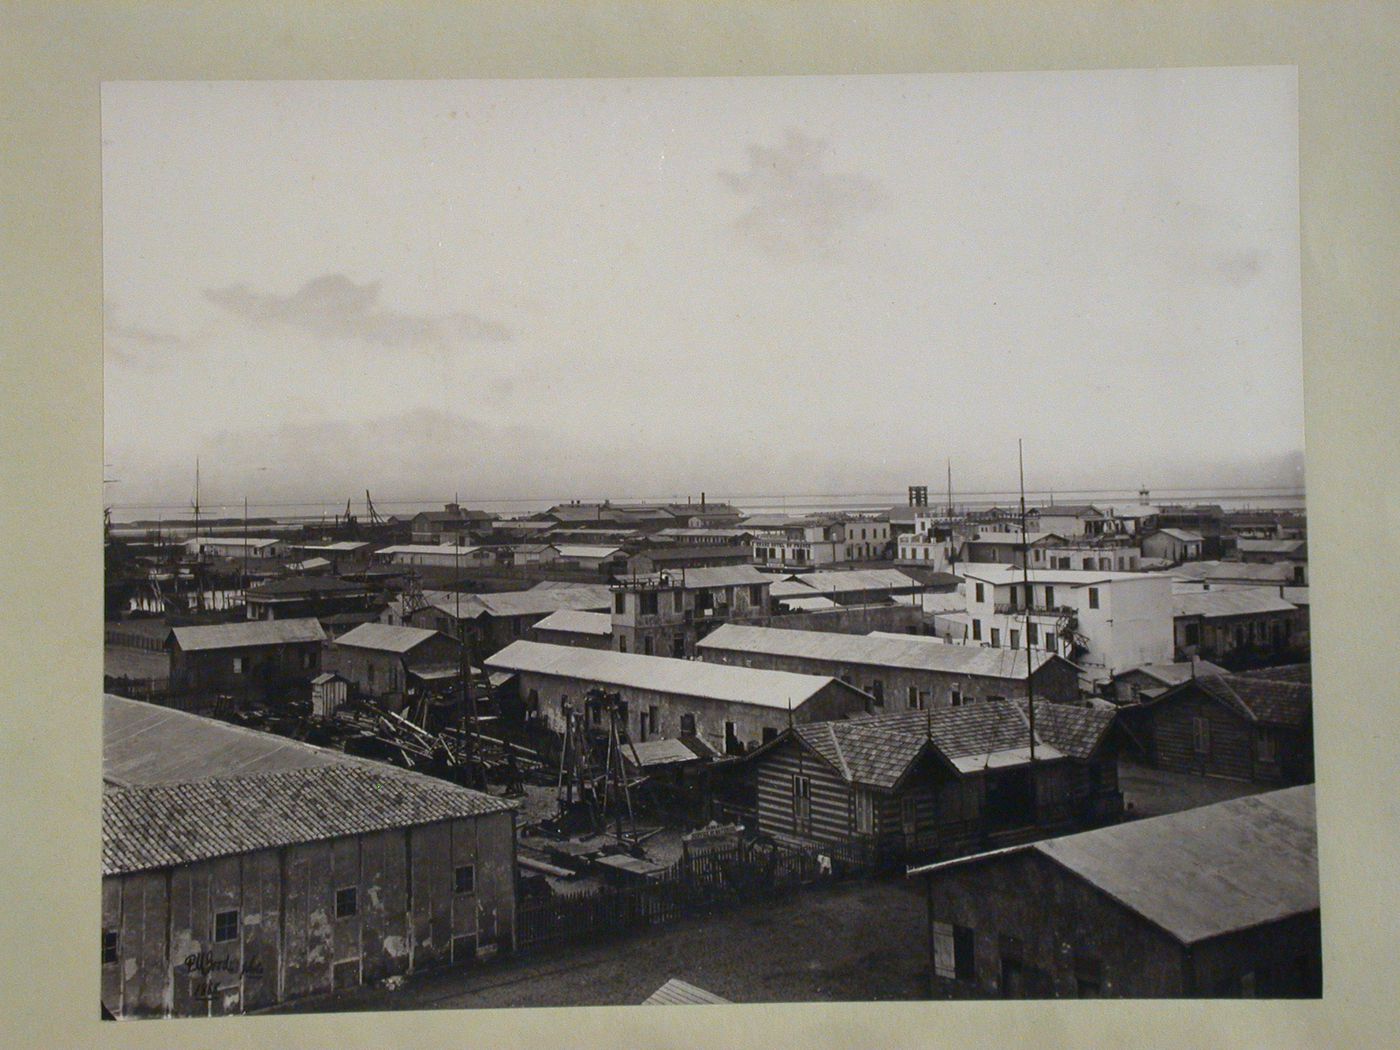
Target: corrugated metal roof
[(1175, 673), (158, 826), (659, 752), (1247, 546), (384, 637), (1267, 700), (1012, 539), (1209, 871), (718, 576), (245, 633), (1242, 601), (577, 621), (1275, 572), (1184, 535), (871, 650), (585, 550), (840, 582), (519, 603), (678, 993), (1000, 575), (663, 674), (426, 548), (815, 601)]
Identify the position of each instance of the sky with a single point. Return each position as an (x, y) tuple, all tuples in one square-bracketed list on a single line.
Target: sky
[(569, 289)]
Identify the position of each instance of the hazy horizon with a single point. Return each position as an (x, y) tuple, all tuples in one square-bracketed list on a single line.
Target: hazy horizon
[(565, 289)]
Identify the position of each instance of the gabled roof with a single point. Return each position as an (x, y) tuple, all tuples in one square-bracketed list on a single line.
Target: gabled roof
[(428, 548), (742, 685), (872, 650), (878, 751), (1266, 701), (1248, 546), (1067, 510), (1242, 601), (298, 585), (661, 751), (1174, 673), (1184, 535), (586, 550), (385, 637), (168, 824), (244, 633)]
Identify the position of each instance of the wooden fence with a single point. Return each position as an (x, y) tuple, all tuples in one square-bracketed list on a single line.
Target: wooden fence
[(693, 884), (131, 640), (137, 688)]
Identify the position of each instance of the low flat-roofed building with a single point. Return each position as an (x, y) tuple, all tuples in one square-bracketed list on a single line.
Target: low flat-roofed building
[(252, 659), (491, 621), (731, 709), (673, 559), (237, 546), (592, 630), (1173, 545), (242, 869), (1218, 901), (1143, 683), (1237, 624), (379, 659), (899, 673), (308, 596), (445, 556)]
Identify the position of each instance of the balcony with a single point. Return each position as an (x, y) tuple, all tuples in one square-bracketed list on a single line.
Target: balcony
[(1016, 609)]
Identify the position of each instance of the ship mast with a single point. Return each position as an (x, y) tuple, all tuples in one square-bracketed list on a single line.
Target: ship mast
[(1029, 597)]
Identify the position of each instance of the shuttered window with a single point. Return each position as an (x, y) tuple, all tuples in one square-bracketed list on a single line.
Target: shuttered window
[(1200, 735), (801, 803), (865, 812)]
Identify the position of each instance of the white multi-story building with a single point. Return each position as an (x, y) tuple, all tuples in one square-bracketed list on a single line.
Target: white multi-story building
[(814, 542), (1106, 622)]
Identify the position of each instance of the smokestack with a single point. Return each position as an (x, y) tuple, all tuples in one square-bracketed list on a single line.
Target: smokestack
[(702, 501)]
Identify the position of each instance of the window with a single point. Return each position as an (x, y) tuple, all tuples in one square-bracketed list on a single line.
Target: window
[(769, 734), (996, 636), (865, 812), (648, 645), (914, 698), (981, 595), (957, 698), (238, 665), (1093, 597), (1193, 634), (648, 603), (1267, 745), (976, 630), (1049, 597), (1200, 735), (688, 725), (877, 690), (801, 803), (756, 594), (619, 602), (909, 815), (1015, 639), (952, 952), (1031, 639), (226, 926), (1088, 976), (464, 878), (621, 644), (346, 902), (109, 946), (731, 739)]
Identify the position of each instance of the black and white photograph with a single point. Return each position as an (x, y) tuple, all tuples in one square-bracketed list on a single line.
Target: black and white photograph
[(704, 540)]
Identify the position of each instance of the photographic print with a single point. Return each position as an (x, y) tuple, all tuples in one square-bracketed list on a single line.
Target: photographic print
[(704, 540)]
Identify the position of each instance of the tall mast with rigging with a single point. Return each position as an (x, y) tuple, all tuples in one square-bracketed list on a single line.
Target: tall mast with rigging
[(1028, 596)]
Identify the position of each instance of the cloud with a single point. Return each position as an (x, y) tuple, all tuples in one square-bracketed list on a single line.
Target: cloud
[(795, 207), (335, 307), (128, 343)]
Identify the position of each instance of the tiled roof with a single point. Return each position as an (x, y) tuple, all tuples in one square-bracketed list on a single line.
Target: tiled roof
[(1175, 673), (877, 750), (1284, 673), (243, 633), (1072, 730), (164, 825), (1264, 700)]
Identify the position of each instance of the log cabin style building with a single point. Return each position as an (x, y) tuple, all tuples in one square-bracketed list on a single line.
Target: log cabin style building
[(731, 709), (1217, 901), (1255, 726), (899, 673), (242, 869), (888, 789)]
